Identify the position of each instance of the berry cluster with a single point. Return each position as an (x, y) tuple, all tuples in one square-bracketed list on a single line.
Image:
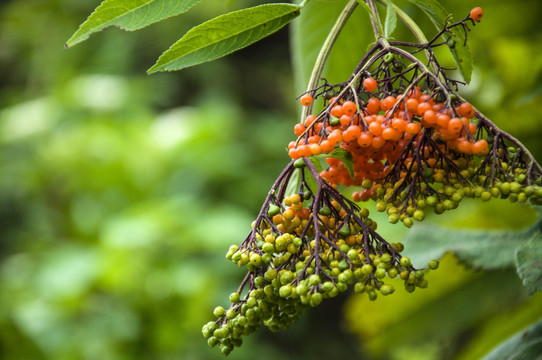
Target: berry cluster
[(302, 249), (412, 141), (398, 131)]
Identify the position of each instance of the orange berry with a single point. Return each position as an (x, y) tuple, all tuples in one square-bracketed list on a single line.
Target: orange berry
[(388, 133), (326, 146), (345, 119), (398, 124), (387, 103), (352, 133), (306, 100), (430, 117), (309, 120), (423, 107), (373, 106), (349, 107), (476, 14), (337, 111), (365, 139), (294, 153), (465, 110), (299, 129), (464, 146), (455, 125), (479, 147), (413, 128), (375, 128), (412, 105), (378, 142), (315, 149), (335, 137), (370, 84), (443, 120)]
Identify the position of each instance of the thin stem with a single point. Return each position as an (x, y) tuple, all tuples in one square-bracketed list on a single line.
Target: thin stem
[(326, 50)]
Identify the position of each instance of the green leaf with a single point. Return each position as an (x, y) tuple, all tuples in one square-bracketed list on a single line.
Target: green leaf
[(440, 18), (479, 249), (128, 15), (527, 344), (529, 263), (391, 20), (346, 158), (293, 184), (225, 34)]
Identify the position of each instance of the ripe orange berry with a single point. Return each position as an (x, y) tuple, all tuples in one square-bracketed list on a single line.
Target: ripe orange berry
[(430, 117), (464, 146), (326, 146), (413, 128), (294, 153), (370, 84), (465, 110), (375, 128), (412, 105), (479, 147), (373, 106), (365, 139), (306, 100), (309, 120), (345, 119), (349, 107), (337, 111), (335, 137), (352, 133), (388, 133), (476, 14), (378, 142), (398, 124), (455, 125), (387, 103), (315, 149), (443, 120), (299, 129)]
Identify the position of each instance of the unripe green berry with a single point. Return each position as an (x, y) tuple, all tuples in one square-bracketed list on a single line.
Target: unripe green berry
[(386, 289), (273, 210), (405, 261), (219, 311), (408, 222), (485, 196), (316, 299), (367, 269), (359, 287), (380, 273), (433, 264), (235, 297), (285, 291), (418, 215), (314, 280)]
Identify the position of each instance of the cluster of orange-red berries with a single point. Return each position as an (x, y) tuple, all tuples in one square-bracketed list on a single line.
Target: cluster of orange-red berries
[(377, 132)]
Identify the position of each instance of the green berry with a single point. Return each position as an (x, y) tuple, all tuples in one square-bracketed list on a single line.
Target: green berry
[(405, 261), (235, 297), (433, 264), (219, 311)]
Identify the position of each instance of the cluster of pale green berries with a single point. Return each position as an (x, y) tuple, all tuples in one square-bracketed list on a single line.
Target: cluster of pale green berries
[(288, 272), (442, 188)]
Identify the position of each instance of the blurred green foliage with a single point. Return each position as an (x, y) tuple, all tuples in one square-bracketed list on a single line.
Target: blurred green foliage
[(120, 193)]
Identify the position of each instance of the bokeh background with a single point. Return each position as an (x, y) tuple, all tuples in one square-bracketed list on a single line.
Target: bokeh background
[(120, 193)]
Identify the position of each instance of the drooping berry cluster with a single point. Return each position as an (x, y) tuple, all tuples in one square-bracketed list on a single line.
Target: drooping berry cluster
[(412, 141), (398, 131), (304, 248)]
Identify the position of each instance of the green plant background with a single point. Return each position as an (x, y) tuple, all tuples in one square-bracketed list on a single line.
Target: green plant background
[(121, 192)]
